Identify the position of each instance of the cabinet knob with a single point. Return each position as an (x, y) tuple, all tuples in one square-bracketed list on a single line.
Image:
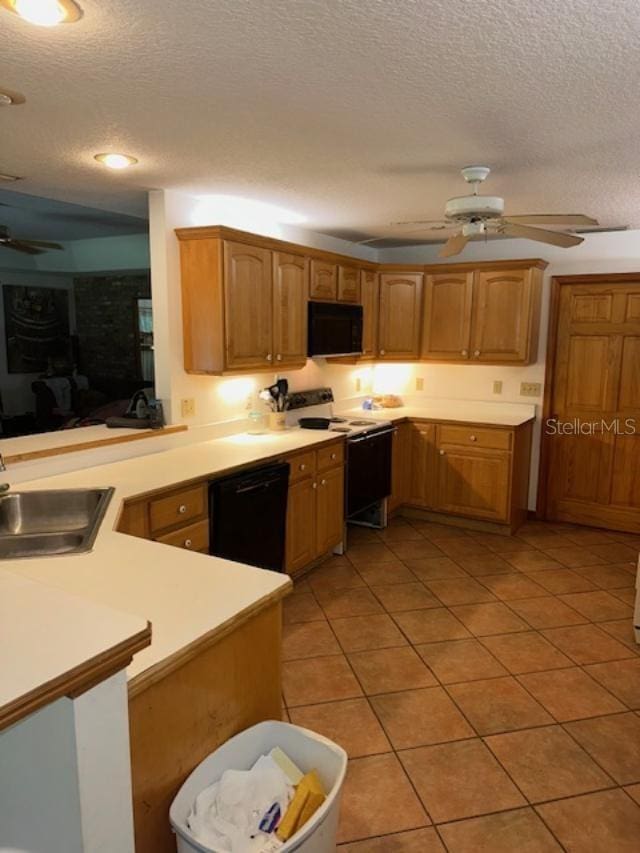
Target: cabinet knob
[(382, 352), (182, 509), (269, 357), (476, 353), (464, 352), (473, 438), (323, 482), (302, 467), (278, 357), (334, 455), (315, 485), (441, 452), (188, 543)]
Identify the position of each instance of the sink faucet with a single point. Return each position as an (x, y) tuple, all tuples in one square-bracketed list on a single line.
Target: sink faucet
[(4, 487)]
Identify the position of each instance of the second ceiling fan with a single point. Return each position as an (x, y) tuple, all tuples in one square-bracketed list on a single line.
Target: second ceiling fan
[(474, 215)]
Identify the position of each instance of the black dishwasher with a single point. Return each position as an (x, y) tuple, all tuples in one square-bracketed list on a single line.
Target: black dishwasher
[(248, 513)]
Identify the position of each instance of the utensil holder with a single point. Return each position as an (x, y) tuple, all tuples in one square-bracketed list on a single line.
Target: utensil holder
[(277, 421)]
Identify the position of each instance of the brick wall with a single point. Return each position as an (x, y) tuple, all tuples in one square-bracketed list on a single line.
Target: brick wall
[(105, 308)]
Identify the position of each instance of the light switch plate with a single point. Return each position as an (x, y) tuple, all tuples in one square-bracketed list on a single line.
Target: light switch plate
[(497, 386), (530, 389), (358, 384), (419, 383), (188, 408)]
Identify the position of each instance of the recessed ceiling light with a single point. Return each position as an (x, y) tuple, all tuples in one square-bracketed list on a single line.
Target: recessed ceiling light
[(116, 161), (45, 13)]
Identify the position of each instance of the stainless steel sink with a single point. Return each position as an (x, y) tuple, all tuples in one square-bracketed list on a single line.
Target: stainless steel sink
[(44, 523)]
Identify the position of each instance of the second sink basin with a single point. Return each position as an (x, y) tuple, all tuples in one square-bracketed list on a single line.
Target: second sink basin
[(57, 521)]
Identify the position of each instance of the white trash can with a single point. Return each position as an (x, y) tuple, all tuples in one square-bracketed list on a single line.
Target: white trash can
[(305, 748)]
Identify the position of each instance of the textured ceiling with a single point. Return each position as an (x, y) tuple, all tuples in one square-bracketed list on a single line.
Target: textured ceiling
[(45, 219), (353, 113)]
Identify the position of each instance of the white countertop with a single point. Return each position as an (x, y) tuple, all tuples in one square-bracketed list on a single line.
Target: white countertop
[(186, 596), (39, 630), (463, 411)]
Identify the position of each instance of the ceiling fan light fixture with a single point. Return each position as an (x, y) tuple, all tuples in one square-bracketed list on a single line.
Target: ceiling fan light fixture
[(116, 161), (45, 13)]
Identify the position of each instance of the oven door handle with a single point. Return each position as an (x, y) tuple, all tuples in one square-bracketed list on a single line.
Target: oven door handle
[(372, 435)]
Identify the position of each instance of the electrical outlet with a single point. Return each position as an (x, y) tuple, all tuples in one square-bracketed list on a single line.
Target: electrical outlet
[(497, 386), (358, 384), (419, 383), (188, 408), (530, 389)]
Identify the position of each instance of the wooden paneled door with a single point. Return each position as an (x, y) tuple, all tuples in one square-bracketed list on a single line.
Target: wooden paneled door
[(446, 331), (248, 337), (330, 509), (590, 468), (290, 287), (400, 316)]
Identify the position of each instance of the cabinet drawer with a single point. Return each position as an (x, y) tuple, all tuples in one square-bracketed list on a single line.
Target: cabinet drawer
[(302, 465), (472, 436), (177, 508), (195, 537), (330, 457)]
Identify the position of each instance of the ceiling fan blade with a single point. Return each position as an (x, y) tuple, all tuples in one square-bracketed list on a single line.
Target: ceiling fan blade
[(42, 244), (454, 245), (436, 223), (541, 235), (19, 246), (552, 219)]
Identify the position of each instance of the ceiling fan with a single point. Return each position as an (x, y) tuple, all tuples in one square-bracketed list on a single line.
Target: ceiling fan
[(28, 247), (473, 215)]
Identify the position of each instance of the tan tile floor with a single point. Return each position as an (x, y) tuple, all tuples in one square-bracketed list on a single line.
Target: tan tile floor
[(486, 688)]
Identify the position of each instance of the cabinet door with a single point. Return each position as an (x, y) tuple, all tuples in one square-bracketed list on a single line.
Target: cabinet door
[(446, 330), (422, 464), (248, 306), (324, 281), (502, 326), (473, 482), (369, 298), (400, 316), (330, 510), (400, 466), (301, 525), (290, 284), (348, 284)]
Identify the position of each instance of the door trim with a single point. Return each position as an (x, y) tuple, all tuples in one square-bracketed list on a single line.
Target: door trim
[(557, 282)]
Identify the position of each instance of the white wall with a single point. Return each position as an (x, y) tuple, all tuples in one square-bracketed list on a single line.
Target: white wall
[(217, 399)]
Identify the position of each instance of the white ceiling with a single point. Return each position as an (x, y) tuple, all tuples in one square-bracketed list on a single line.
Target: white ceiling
[(353, 113)]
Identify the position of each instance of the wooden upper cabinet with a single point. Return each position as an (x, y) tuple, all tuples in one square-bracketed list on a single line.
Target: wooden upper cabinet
[(369, 296), (446, 332), (400, 316), (348, 284), (290, 287), (248, 317), (324, 280), (505, 316)]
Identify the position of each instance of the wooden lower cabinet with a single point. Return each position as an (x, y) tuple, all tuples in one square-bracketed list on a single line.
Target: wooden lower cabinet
[(473, 471), (301, 525), (421, 480), (179, 715), (329, 510), (473, 483), (400, 467), (315, 510)]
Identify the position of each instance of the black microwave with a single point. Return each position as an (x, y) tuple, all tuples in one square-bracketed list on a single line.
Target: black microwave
[(334, 329)]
